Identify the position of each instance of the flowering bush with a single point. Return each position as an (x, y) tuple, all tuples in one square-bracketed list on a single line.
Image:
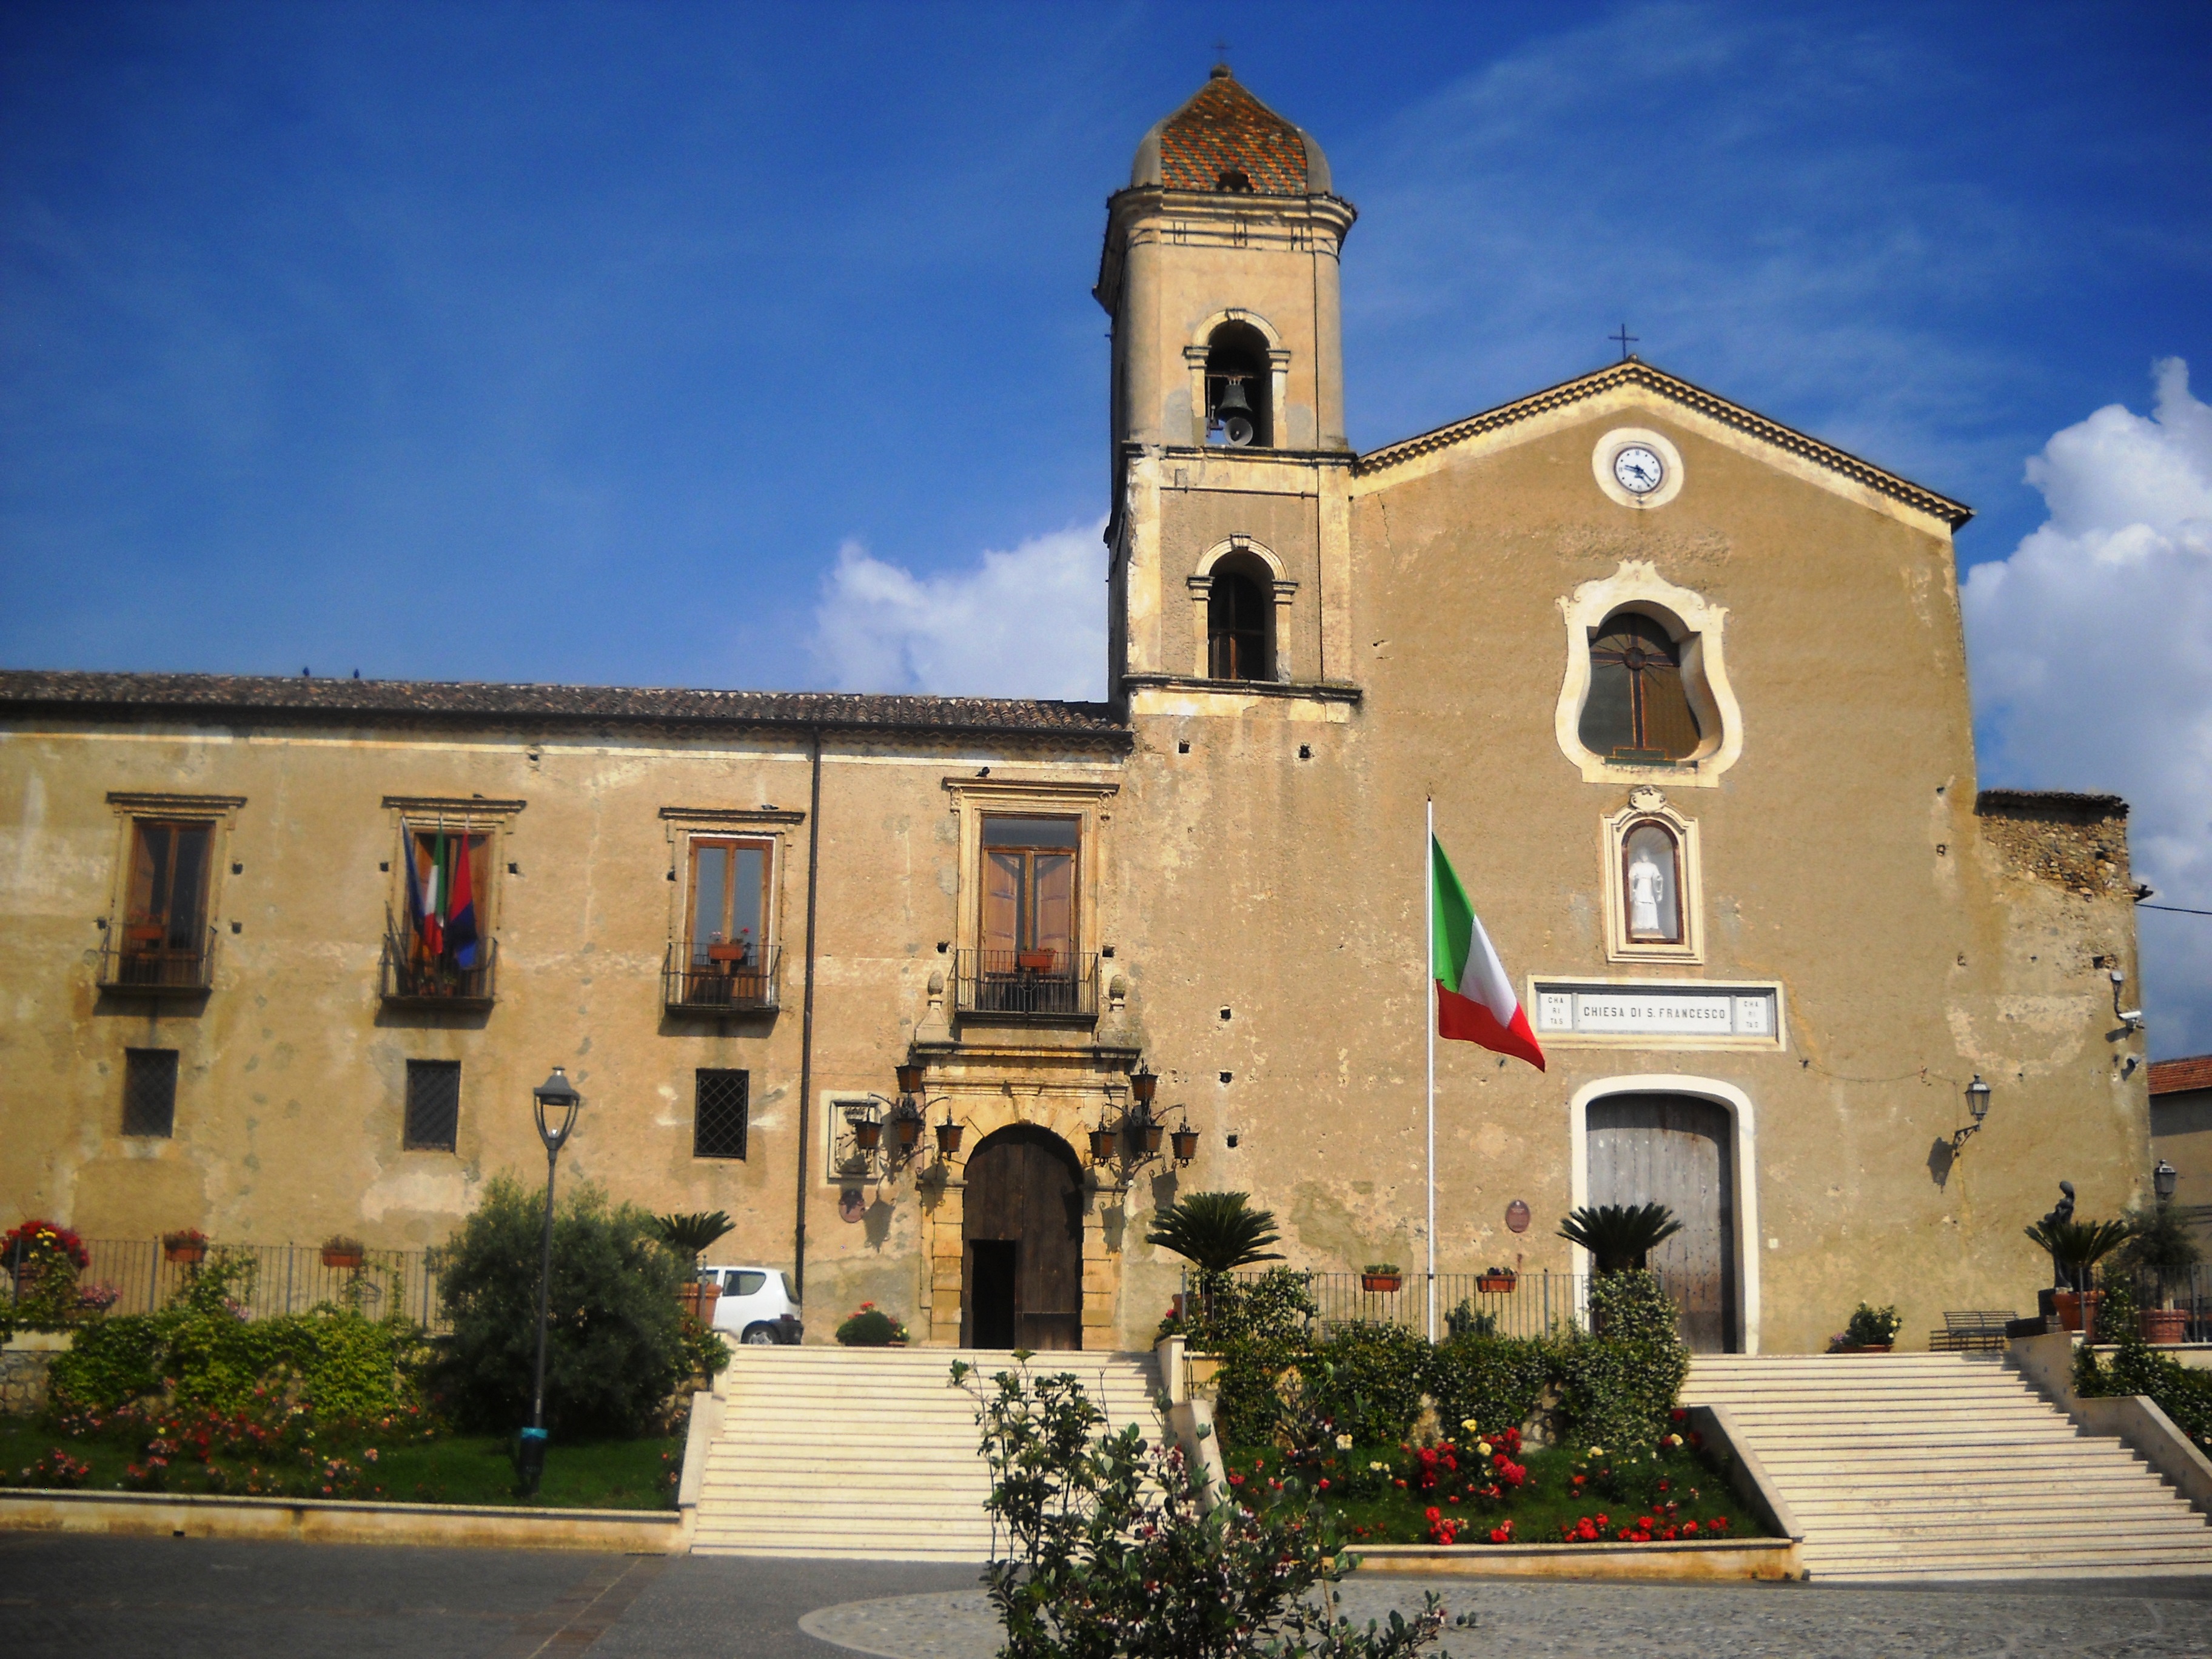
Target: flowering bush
[(44, 1259), (870, 1327), (20, 1243), (56, 1470)]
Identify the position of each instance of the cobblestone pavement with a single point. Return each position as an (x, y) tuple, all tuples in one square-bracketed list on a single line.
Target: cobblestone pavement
[(159, 1598), (2088, 1620)]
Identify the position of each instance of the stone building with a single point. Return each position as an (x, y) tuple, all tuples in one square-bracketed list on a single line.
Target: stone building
[(1686, 687)]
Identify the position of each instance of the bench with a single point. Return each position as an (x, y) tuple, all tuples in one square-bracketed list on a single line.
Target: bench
[(1976, 1330)]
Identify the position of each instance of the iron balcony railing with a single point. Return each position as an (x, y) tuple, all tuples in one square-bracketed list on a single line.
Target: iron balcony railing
[(719, 980), (1027, 984), (154, 966), (411, 979), (1523, 1304)]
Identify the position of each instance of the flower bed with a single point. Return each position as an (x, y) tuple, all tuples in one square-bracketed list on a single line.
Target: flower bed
[(1477, 1488)]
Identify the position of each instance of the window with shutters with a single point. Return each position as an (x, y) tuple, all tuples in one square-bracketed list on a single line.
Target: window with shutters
[(1029, 942), (1240, 614), (164, 939), (1638, 710), (1645, 697), (438, 945), (725, 958)]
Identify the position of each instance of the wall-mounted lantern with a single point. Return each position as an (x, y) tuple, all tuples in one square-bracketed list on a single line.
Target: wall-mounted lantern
[(2163, 1181), (1977, 1107)]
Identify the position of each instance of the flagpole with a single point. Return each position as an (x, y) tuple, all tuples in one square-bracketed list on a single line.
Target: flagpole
[(1429, 1002)]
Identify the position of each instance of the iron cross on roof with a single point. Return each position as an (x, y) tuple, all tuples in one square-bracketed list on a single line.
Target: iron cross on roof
[(1624, 339)]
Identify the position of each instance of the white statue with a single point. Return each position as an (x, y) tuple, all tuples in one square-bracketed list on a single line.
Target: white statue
[(1647, 886)]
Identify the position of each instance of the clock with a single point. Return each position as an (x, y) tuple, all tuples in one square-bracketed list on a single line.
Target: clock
[(1639, 470)]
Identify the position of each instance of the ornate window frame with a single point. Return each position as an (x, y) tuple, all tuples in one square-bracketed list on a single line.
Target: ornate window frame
[(1200, 583), (470, 815), (1696, 626), (1648, 805), (1090, 801)]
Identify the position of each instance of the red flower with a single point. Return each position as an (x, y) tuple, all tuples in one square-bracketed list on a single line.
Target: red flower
[(1689, 1527)]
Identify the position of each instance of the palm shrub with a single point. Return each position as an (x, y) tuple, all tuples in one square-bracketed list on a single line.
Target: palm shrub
[(2078, 1246), (692, 1235), (1216, 1232), (1619, 1237), (615, 1348)]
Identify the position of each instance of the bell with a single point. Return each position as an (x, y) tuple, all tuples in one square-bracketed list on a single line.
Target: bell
[(1235, 414)]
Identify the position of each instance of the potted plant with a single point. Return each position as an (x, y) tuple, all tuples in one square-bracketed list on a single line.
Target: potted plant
[(1035, 962), (1870, 1330), (2077, 1247), (187, 1244), (1217, 1233), (870, 1327), (2161, 1249), (341, 1251), (1497, 1279), (691, 1236), (1380, 1278)]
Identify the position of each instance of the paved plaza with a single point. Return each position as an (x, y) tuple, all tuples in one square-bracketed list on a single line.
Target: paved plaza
[(200, 1599)]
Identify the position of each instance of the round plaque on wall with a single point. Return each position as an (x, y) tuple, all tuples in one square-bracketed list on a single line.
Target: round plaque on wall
[(851, 1206), (1517, 1216)]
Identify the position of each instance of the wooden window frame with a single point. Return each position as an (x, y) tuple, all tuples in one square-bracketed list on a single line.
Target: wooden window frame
[(1025, 937), (694, 840), (1088, 800)]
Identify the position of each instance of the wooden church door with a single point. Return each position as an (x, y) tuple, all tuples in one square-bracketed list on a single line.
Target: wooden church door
[(1021, 1240), (1680, 1152)]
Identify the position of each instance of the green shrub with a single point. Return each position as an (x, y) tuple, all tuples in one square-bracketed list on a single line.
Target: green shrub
[(110, 1364), (870, 1327), (2136, 1367), (1367, 1381), (1495, 1382), (614, 1344), (1869, 1327), (204, 1354), (1618, 1386)]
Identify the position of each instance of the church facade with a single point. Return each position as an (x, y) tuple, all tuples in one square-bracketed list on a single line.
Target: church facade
[(1684, 689)]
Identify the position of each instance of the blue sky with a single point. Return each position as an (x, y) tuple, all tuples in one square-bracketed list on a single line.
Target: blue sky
[(600, 341)]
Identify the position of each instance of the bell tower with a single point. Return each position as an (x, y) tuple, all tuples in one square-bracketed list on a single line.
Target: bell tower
[(1229, 536)]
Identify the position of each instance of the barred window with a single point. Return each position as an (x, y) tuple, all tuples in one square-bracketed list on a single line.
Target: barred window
[(149, 1091), (433, 1105), (718, 1118)]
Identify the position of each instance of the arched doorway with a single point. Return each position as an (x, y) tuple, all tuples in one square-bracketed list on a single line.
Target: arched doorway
[(1021, 1233), (1678, 1151)]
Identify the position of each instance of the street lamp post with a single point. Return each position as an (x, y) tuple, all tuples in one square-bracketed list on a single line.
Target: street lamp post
[(557, 1095)]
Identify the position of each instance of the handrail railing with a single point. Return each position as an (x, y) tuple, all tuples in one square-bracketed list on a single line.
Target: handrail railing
[(156, 967), (719, 980), (1026, 984), (408, 977), (1517, 1304), (288, 1279)]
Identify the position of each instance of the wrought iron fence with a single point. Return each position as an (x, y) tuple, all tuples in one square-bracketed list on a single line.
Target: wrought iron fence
[(157, 966), (1027, 984), (735, 983), (2185, 1291), (287, 1278), (408, 978), (1485, 1303)]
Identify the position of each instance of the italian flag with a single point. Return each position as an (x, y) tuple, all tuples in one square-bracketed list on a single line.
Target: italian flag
[(1474, 999)]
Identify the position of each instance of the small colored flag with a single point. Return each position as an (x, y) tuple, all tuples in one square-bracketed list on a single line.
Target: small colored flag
[(432, 929), (1474, 999), (461, 908)]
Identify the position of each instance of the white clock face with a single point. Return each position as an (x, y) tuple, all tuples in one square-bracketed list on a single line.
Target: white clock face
[(1639, 469)]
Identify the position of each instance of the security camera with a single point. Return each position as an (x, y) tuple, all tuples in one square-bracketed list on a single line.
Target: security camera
[(2119, 977), (2132, 1017)]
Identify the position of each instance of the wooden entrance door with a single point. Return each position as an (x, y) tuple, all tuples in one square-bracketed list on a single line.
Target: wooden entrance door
[(1025, 1200), (1680, 1152)]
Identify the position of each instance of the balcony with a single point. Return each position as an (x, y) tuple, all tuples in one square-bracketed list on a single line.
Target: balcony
[(143, 961), (732, 979), (410, 980), (1026, 985)]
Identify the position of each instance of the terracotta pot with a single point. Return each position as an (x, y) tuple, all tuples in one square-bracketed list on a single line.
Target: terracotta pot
[(1864, 1347), (2164, 1326), (187, 1254), (2071, 1306), (1497, 1282), (698, 1299), (1380, 1284), (348, 1259)]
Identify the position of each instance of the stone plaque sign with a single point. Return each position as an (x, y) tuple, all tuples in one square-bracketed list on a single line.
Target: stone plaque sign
[(1738, 1015)]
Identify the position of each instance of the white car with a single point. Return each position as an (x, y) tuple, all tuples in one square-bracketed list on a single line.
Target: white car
[(756, 1306)]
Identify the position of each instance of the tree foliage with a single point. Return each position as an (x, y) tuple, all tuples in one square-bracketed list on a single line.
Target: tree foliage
[(615, 1348), (694, 1234)]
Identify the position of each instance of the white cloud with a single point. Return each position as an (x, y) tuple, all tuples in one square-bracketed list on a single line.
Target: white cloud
[(1031, 622), (2091, 650)]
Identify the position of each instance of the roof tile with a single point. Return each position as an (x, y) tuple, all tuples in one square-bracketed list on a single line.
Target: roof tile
[(2174, 1077), (1225, 128)]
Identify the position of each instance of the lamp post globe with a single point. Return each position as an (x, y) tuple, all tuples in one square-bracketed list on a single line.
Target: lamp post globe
[(556, 1103), (1978, 1098)]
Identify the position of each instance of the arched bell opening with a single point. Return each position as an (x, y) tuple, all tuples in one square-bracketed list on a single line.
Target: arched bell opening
[(1239, 388)]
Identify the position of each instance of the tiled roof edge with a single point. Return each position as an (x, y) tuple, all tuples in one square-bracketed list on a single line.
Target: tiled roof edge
[(2180, 1075), (1637, 372), (446, 702)]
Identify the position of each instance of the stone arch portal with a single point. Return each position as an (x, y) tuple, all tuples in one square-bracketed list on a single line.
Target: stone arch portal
[(1021, 1230)]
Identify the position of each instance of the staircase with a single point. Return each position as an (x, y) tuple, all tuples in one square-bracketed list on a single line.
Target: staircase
[(1904, 1467), (868, 1452)]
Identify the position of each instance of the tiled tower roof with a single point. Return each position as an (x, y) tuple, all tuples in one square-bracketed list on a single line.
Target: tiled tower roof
[(1223, 131)]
